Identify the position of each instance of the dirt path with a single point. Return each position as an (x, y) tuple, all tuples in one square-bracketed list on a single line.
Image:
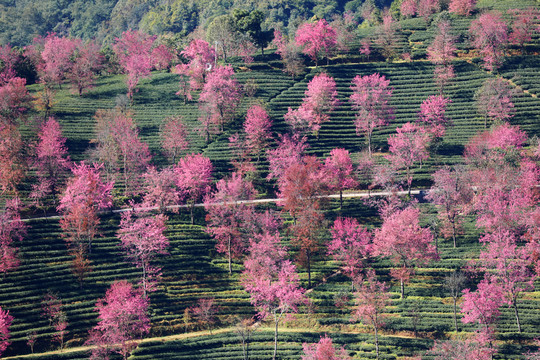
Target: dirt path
[(256, 201)]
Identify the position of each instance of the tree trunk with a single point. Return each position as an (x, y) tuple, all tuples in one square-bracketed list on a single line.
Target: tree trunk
[(340, 199), (376, 341), (191, 212), (402, 289), (276, 319), (517, 316), (308, 256), (230, 256), (144, 279), (369, 143), (455, 315), (409, 181), (454, 233)]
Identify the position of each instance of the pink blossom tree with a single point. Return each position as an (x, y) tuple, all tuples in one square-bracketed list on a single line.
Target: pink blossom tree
[(15, 101), (161, 57), (318, 40), (350, 246), (52, 159), (427, 7), (134, 53), (290, 54), (324, 350), (506, 264), (405, 242), (433, 115), (370, 98), (201, 60), (408, 8), (122, 318), (86, 63), (218, 100), (289, 151), (272, 281), (57, 54), (320, 100), (490, 37), (161, 189), (386, 37), (441, 52), (257, 128), (371, 300), (524, 25), (494, 100), (174, 136), (462, 7), (227, 213), (12, 164), (408, 147), (83, 197), (482, 306), (5, 323), (11, 229), (339, 168), (8, 57), (119, 147), (52, 310), (205, 312), (142, 238), (193, 176), (461, 349), (451, 192)]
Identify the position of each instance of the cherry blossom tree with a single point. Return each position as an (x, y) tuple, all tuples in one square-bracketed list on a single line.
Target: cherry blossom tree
[(408, 8), (218, 100), (119, 147), (427, 7), (227, 214), (161, 189), (386, 37), (432, 115), (290, 54), (482, 306), (15, 101), (318, 40), (5, 323), (289, 151), (57, 54), (86, 63), (365, 48), (405, 242), (461, 349), (454, 284), (193, 176), (271, 281), (524, 25), (441, 52), (134, 53), (324, 350), (371, 300), (451, 192), (490, 37), (350, 246), (142, 238), (83, 197), (52, 159), (161, 57), (339, 168), (11, 229), (122, 318), (506, 264), (201, 60), (257, 128), (174, 136), (462, 7), (408, 147), (370, 98), (205, 312), (52, 309), (12, 164), (494, 100)]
